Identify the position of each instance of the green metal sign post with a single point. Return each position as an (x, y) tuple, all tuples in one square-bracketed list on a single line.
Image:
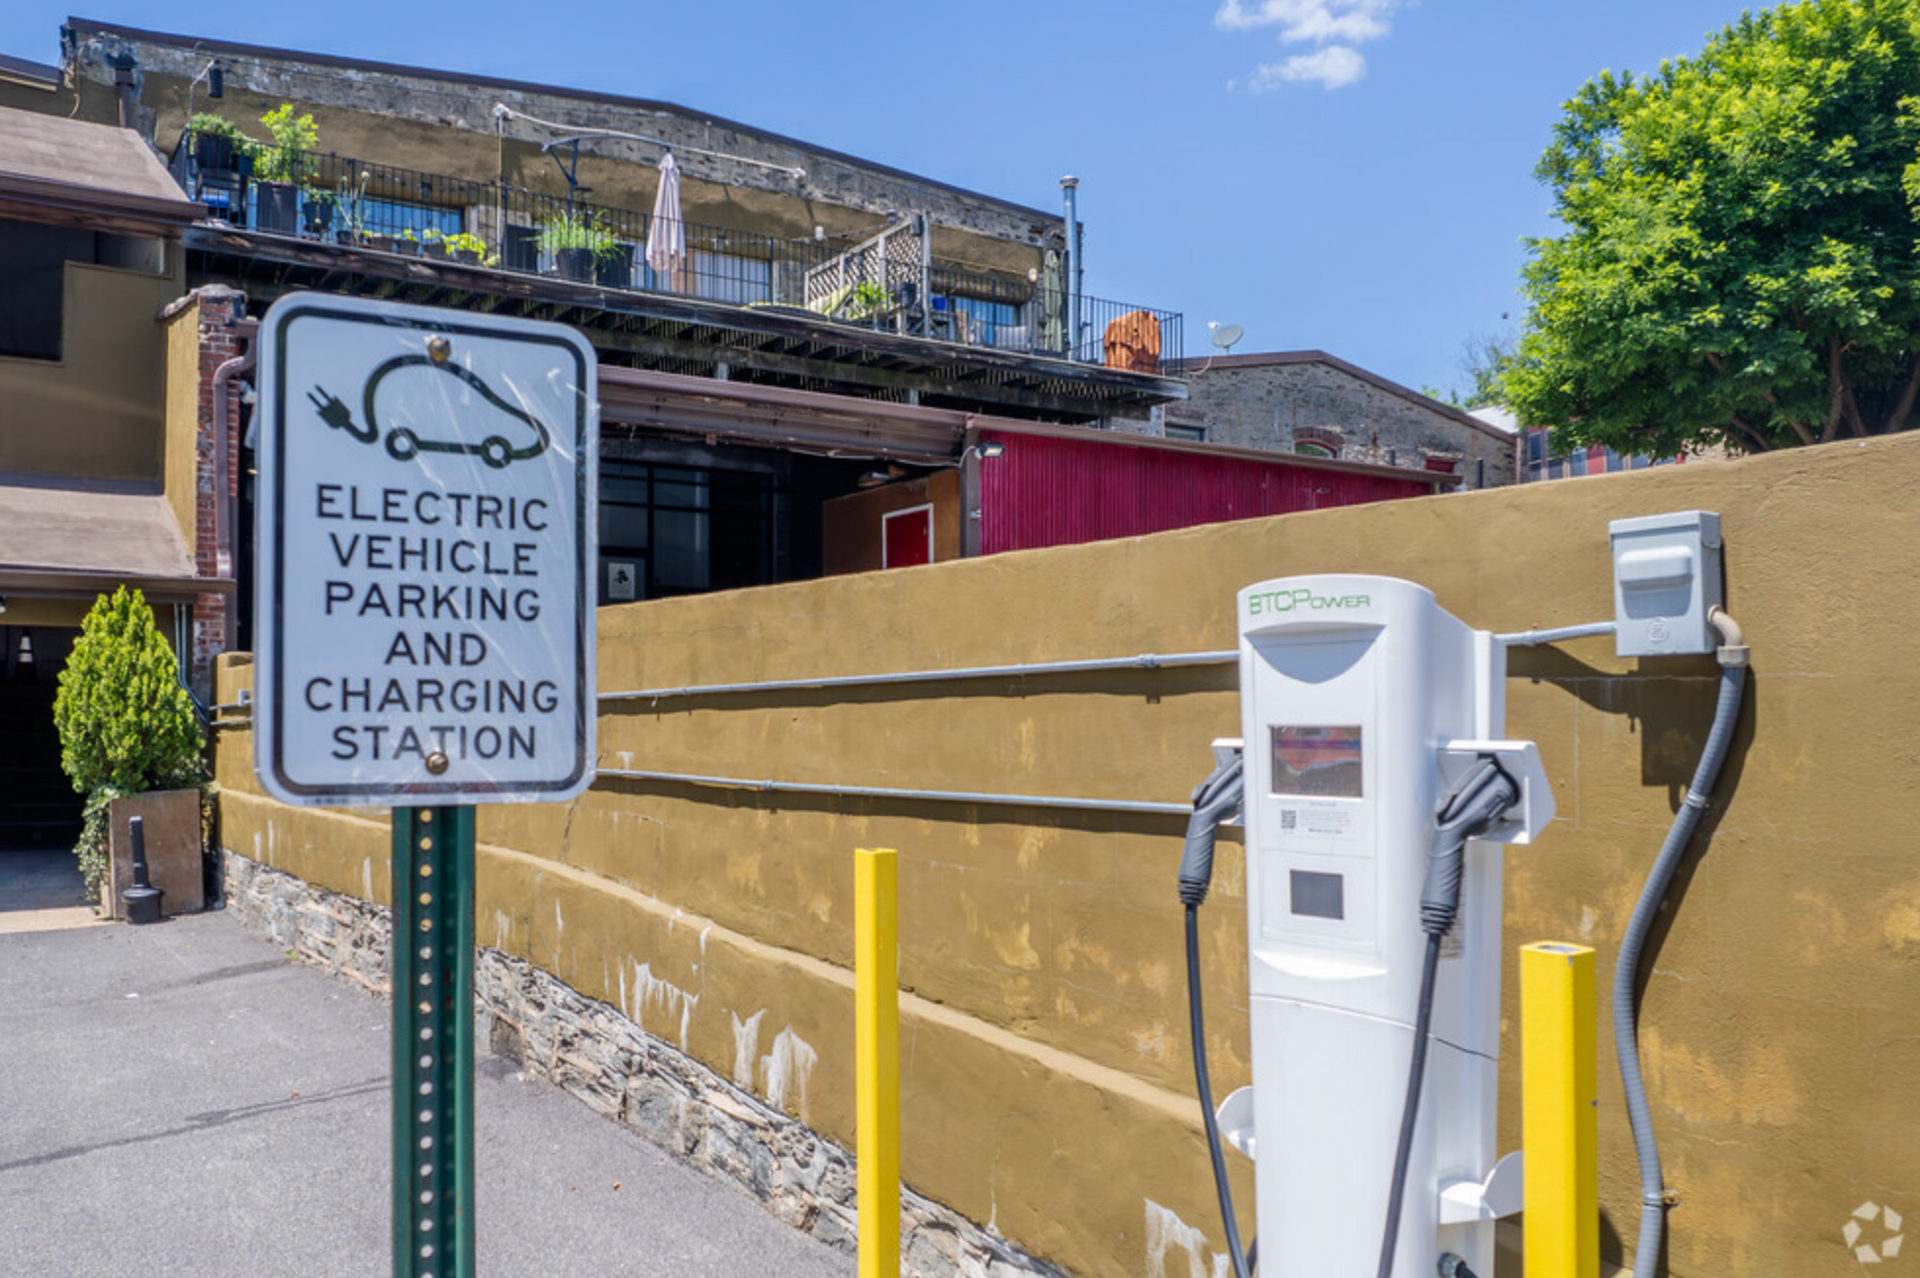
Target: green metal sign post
[(424, 623), (433, 1042)]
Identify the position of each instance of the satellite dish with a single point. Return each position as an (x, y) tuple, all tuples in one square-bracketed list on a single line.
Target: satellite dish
[(1225, 335)]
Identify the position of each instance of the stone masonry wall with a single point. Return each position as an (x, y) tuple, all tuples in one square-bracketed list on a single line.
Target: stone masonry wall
[(602, 1058), (1277, 404)]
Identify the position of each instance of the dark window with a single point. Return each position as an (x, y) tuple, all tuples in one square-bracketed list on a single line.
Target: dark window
[(520, 250), (1313, 448), (677, 530), (1192, 434)]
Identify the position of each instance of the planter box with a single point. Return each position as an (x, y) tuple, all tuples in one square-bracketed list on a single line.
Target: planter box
[(574, 264), (277, 207), (171, 822)]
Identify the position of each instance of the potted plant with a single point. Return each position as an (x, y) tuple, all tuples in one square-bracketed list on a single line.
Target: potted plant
[(282, 167), (867, 301), (407, 243), (317, 212), (433, 242), (129, 741), (347, 197), (218, 144), (465, 247), (575, 241)]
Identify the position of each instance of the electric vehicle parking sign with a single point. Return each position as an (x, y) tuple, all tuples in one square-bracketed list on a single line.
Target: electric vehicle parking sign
[(423, 609)]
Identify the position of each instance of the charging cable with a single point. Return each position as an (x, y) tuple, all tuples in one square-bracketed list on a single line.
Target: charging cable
[(1216, 799), (1475, 804)]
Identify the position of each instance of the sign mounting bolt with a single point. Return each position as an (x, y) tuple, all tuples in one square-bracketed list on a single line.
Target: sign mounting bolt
[(437, 762), (438, 348)]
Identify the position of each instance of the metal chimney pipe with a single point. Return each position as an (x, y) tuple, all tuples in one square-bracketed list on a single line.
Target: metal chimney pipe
[(123, 65), (1070, 187)]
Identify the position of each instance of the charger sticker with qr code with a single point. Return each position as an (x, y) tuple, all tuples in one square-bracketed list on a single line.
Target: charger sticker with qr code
[(1289, 818)]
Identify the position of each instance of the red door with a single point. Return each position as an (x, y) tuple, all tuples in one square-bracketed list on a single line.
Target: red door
[(907, 537)]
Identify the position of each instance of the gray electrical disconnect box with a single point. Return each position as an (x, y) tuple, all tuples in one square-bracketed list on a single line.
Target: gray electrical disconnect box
[(1666, 575)]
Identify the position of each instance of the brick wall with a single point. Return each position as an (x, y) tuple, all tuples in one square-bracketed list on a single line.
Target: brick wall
[(213, 614)]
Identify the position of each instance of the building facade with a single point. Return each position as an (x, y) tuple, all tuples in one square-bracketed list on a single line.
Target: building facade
[(1318, 405)]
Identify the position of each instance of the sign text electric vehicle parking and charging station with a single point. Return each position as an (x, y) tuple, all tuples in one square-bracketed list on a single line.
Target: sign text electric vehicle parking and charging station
[(424, 639), (426, 501)]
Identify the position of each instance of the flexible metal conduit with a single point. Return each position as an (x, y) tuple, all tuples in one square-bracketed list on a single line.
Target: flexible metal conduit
[(1144, 661), (1733, 657)]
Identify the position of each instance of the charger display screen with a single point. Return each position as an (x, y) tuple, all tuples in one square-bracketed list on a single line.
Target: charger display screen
[(1316, 762)]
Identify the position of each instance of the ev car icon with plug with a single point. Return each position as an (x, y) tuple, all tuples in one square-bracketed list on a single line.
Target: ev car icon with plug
[(404, 443)]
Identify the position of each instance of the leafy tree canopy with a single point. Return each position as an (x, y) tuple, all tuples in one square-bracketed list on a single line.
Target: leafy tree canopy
[(1741, 263)]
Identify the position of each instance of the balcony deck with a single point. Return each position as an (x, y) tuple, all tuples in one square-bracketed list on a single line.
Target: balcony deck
[(880, 318)]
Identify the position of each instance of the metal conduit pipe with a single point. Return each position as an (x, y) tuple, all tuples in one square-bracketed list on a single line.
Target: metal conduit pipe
[(888, 792), (1532, 638), (223, 498), (1144, 661)]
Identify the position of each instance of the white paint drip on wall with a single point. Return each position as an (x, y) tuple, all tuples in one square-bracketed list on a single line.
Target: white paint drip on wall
[(746, 1045), (687, 1003), (366, 874), (650, 990), (1167, 1233), (502, 929), (788, 1067)]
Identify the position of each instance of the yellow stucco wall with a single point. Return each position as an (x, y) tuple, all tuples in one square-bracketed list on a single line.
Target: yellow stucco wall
[(1047, 1082), (180, 477), (96, 412)]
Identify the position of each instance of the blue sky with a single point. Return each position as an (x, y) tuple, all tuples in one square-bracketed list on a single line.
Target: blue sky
[(1352, 175)]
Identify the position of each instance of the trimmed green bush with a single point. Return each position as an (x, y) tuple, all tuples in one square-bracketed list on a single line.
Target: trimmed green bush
[(126, 725)]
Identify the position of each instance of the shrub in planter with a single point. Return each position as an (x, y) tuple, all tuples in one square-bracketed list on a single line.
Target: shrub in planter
[(283, 166), (218, 143), (126, 725), (466, 247), (575, 241)]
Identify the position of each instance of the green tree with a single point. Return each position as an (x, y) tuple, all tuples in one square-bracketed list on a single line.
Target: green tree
[(1484, 359), (1741, 263)]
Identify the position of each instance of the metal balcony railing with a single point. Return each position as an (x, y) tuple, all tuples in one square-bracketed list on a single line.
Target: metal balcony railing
[(888, 281)]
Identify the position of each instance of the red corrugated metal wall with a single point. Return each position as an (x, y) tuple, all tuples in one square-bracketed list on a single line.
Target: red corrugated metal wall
[(1054, 492)]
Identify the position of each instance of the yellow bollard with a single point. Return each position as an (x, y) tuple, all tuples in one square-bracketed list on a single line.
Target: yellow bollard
[(876, 1047), (1560, 1127)]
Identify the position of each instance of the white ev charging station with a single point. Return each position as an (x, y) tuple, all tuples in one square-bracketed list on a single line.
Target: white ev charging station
[(1363, 704), (1377, 790)]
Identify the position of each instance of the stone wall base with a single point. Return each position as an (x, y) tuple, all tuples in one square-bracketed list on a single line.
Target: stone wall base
[(596, 1053)]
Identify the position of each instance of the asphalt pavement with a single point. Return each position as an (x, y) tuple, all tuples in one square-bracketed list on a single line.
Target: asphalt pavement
[(181, 1099)]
